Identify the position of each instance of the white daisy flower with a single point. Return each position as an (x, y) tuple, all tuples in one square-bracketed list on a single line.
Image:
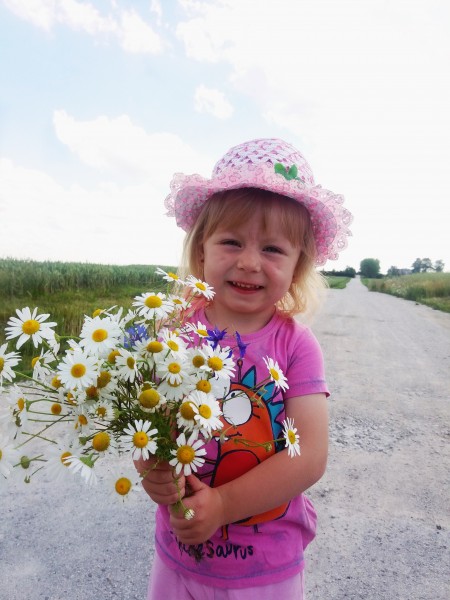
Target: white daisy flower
[(41, 365), (28, 325), (57, 466), (276, 374), (122, 483), (84, 466), (153, 306), (188, 455), (200, 287), (173, 344), (186, 415), (102, 411), (151, 350), (172, 370), (198, 328), (8, 360), (126, 365), (99, 335), (83, 423), (18, 407), (9, 456), (179, 302), (219, 362), (168, 276), (138, 439), (207, 411), (174, 392), (104, 443), (291, 436), (77, 369)]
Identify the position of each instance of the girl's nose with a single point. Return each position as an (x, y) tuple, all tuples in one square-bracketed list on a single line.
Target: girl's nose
[(249, 260)]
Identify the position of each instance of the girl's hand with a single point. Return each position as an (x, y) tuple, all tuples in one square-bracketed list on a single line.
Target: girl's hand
[(158, 480), (208, 513)]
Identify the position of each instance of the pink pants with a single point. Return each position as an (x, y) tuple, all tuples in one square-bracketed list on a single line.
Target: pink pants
[(166, 584)]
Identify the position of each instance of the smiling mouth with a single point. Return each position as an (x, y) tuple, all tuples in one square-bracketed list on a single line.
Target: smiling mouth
[(246, 286)]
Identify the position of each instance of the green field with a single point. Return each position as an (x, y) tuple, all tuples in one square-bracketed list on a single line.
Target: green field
[(432, 289), (68, 291)]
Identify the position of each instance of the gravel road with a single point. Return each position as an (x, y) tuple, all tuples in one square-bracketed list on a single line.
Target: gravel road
[(384, 522)]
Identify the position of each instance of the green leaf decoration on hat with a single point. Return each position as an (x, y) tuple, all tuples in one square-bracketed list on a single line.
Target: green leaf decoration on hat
[(288, 173)]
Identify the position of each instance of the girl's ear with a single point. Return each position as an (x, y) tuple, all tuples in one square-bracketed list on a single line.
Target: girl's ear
[(201, 253)]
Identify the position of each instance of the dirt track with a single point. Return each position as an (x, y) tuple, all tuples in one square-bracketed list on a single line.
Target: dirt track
[(383, 505)]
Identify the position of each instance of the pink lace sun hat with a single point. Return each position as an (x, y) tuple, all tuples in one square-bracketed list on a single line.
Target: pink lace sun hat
[(268, 164)]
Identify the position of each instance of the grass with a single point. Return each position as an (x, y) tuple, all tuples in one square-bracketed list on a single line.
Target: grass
[(432, 289), (337, 283)]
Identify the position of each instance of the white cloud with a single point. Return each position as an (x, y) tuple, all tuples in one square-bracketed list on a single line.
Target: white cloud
[(212, 101), (132, 32), (123, 149)]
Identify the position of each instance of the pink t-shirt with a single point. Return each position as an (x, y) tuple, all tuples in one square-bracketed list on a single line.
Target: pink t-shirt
[(266, 548)]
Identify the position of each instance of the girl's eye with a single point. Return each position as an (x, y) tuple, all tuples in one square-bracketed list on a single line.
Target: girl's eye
[(273, 249), (230, 243)]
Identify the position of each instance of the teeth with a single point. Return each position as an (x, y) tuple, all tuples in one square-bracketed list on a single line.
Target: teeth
[(246, 286)]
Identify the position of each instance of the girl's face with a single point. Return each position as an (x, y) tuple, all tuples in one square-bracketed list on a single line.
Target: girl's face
[(250, 267)]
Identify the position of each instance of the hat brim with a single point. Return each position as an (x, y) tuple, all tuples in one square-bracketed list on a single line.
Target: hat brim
[(330, 220)]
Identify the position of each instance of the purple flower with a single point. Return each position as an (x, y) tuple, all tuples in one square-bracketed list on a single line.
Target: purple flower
[(135, 334), (215, 335), (242, 347)]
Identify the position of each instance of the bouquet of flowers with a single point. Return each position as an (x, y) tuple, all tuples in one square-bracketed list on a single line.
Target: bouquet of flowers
[(143, 382)]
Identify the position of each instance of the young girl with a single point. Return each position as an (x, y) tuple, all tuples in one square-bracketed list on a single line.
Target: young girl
[(256, 231)]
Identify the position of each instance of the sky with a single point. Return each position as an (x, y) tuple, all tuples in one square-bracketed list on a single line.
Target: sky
[(101, 102)]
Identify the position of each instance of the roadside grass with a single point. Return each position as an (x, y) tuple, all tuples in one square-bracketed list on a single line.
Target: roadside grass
[(432, 289), (337, 283)]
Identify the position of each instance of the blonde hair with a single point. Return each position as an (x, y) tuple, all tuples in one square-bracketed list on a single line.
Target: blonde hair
[(232, 207)]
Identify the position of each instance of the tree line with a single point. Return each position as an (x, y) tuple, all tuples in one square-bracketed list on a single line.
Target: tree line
[(370, 267)]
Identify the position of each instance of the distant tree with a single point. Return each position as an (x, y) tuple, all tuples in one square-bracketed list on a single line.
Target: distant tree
[(423, 265), (393, 272), (370, 267), (439, 266), (427, 265), (417, 265)]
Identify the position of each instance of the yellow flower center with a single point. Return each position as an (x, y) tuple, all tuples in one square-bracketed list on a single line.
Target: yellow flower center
[(78, 370), (198, 361), (31, 326), (103, 379), (153, 302), (34, 361), (101, 441), (131, 362), (140, 439), (185, 454), (112, 356), (173, 275), (203, 385), (173, 345), (97, 312), (56, 409), (91, 392), (205, 411), (99, 335), (291, 436), (101, 411), (20, 403), (275, 374), (215, 363), (56, 383), (149, 398), (82, 420), (200, 286), (2, 363), (186, 411), (123, 486), (71, 399), (202, 332), (63, 457), (154, 347), (174, 368)]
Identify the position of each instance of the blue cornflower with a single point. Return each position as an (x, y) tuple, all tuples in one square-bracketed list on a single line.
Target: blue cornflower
[(215, 335), (242, 347), (134, 334)]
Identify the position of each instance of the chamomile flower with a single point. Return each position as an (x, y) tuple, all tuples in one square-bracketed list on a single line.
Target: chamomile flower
[(104, 443), (189, 454), (276, 374), (8, 360), (174, 392), (83, 423), (122, 483), (57, 466), (219, 362), (126, 365), (77, 369), (198, 328), (186, 415), (151, 400), (18, 405), (9, 456), (170, 277), (172, 370), (102, 411), (200, 287), (291, 436), (173, 344), (99, 335), (153, 306), (151, 350), (138, 439), (29, 325), (41, 364), (179, 302), (207, 411)]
